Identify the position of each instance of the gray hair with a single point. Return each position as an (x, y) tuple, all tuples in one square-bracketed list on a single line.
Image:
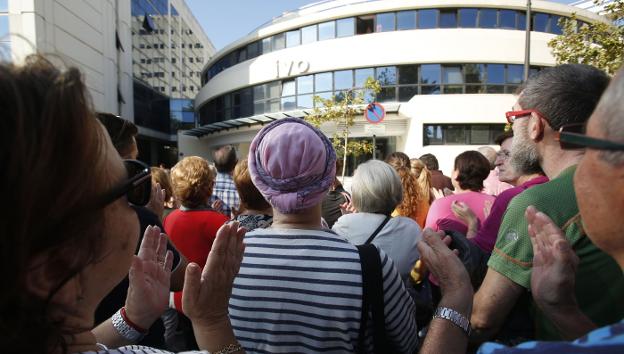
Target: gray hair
[(610, 114), (489, 154), (376, 188), (564, 94)]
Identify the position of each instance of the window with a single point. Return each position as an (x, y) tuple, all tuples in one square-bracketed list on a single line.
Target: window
[(452, 78), (430, 75), (385, 22), (540, 22), (427, 18), (495, 74), (273, 89), (279, 41), (407, 92), (448, 18), (345, 27), (259, 92), (515, 74), (308, 34), (191, 60), (293, 38), (288, 88), (253, 50), (305, 101), (507, 19), (554, 24), (365, 24), (326, 30), (361, 75), (487, 18), (305, 84), (475, 73), (468, 18), (406, 20), (323, 82), (408, 74), (387, 94), (386, 75), (343, 80), (266, 45), (521, 24)]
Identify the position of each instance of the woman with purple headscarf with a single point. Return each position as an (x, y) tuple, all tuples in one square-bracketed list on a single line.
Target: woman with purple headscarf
[(299, 289)]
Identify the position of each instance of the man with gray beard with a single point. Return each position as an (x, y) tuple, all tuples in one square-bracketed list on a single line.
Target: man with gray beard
[(557, 99)]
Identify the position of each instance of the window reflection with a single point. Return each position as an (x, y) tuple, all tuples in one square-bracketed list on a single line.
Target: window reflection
[(507, 19), (385, 22), (487, 18), (293, 38), (305, 84), (308, 34), (345, 27), (468, 18), (427, 18), (386, 75), (448, 18), (323, 82), (343, 80), (361, 75), (406, 20), (495, 74), (326, 30)]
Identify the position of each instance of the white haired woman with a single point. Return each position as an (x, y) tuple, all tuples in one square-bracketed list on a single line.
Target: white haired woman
[(377, 190)]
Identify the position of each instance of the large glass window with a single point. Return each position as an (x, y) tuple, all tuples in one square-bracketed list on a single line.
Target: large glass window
[(455, 134), (323, 82), (259, 92), (305, 101), (308, 34), (386, 75), (343, 80), (385, 22), (487, 18), (408, 74), (273, 89), (361, 75), (515, 73), (279, 41), (4, 26), (406, 20), (507, 19), (407, 92), (289, 103), (521, 15), (475, 73), (495, 74), (427, 18), (293, 38), (288, 88), (345, 27), (266, 45), (540, 22), (448, 18), (468, 18), (387, 94), (365, 24), (554, 24), (326, 30), (430, 74), (253, 50), (305, 84), (452, 78)]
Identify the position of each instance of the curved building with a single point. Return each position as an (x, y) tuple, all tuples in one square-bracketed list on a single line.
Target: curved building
[(448, 69)]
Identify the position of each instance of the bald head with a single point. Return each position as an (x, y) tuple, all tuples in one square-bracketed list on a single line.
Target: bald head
[(490, 155)]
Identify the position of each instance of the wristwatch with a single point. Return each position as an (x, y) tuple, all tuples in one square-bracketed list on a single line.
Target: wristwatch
[(455, 317), (124, 329)]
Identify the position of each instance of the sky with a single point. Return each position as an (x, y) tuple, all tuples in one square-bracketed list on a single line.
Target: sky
[(225, 21)]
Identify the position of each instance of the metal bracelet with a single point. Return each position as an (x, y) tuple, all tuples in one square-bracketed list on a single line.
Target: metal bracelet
[(124, 329), (455, 317)]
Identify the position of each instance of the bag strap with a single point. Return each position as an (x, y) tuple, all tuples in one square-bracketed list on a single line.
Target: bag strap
[(379, 228), (372, 295)]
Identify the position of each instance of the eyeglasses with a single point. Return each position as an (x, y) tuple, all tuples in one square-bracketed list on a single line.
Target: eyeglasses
[(503, 154), (513, 115), (137, 188), (574, 140)]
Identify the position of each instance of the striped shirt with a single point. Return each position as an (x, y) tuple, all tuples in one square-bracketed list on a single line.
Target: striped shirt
[(225, 190), (300, 291)]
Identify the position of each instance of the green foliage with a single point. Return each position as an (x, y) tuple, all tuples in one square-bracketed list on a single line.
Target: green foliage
[(342, 109), (598, 44)]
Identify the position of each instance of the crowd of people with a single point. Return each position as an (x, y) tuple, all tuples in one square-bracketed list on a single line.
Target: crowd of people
[(518, 250)]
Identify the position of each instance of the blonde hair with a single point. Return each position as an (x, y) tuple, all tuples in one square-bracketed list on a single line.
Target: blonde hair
[(250, 197), (192, 180), (423, 178), (412, 194), (160, 176)]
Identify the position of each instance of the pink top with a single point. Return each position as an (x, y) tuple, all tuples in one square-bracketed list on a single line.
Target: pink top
[(492, 186), (441, 217)]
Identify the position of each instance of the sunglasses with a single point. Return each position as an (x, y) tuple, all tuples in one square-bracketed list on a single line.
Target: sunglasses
[(570, 139), (137, 187)]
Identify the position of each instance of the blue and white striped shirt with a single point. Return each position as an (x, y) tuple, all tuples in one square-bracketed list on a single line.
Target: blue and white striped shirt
[(300, 291)]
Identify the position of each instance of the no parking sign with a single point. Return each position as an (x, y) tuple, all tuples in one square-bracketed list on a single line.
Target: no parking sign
[(375, 113)]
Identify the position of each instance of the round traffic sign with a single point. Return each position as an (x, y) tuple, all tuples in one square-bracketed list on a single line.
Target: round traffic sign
[(375, 113)]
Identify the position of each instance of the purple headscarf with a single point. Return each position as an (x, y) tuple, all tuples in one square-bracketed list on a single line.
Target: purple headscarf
[(292, 164)]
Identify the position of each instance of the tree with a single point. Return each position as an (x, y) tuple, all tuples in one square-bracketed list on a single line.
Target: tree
[(598, 44), (342, 109)]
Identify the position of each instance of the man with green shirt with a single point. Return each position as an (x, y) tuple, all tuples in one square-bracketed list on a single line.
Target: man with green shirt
[(558, 97)]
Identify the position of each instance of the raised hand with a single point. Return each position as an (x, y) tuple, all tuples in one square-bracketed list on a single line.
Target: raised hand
[(207, 293), (150, 273), (463, 212), (437, 193), (554, 262), (157, 200)]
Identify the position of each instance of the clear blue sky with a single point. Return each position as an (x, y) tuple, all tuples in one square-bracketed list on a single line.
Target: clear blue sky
[(225, 21)]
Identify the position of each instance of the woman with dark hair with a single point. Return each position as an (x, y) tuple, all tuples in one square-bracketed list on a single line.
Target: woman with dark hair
[(70, 234), (415, 203), (470, 170)]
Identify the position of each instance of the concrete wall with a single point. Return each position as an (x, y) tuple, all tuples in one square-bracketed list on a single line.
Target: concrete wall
[(82, 34)]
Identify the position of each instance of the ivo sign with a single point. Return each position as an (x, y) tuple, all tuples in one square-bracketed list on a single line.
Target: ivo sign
[(291, 67)]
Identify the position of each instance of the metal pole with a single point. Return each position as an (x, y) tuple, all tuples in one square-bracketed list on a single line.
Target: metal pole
[(374, 147), (527, 42)]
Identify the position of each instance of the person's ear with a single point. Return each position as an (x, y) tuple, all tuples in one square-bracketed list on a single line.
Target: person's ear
[(536, 128), (42, 278)]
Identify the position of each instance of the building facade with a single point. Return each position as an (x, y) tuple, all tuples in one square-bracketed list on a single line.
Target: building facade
[(448, 70), (141, 74)]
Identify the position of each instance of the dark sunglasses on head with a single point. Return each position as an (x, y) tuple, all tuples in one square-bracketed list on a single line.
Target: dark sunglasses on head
[(570, 139), (137, 187)]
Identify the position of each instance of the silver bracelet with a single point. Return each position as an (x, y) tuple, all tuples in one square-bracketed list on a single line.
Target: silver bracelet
[(125, 330), (229, 349), (455, 317)]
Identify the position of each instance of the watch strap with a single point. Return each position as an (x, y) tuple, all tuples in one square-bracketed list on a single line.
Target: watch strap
[(454, 317), (125, 330)]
